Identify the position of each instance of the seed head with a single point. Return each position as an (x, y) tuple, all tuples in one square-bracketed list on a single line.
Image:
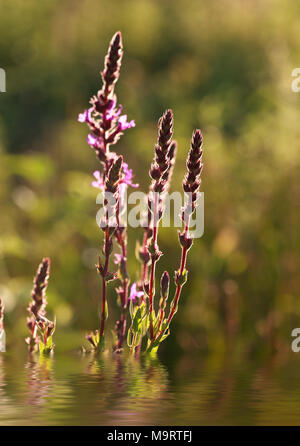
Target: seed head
[(114, 175), (191, 182), (112, 63)]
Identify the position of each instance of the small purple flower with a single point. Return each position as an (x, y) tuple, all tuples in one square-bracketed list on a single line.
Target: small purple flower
[(128, 175), (93, 141), (134, 293), (86, 116), (123, 124), (99, 182), (112, 113)]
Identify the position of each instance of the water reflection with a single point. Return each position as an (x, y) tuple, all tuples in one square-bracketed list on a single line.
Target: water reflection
[(117, 390), (126, 390), (39, 380), (6, 407)]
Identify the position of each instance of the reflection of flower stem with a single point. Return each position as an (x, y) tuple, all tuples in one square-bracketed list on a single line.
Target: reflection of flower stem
[(39, 379)]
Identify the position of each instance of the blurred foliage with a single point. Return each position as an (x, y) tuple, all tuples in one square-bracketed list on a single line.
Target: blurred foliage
[(222, 66)]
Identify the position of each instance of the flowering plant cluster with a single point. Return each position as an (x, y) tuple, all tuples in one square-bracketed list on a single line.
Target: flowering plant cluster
[(106, 124), (150, 317)]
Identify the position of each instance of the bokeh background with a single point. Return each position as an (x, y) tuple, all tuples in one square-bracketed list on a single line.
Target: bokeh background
[(223, 66)]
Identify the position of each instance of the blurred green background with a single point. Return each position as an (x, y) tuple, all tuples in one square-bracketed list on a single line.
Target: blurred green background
[(223, 66)]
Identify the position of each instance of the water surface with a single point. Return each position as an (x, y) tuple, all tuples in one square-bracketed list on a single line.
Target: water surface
[(194, 390)]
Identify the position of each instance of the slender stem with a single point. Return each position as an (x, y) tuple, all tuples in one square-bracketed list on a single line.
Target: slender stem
[(145, 263), (104, 287), (153, 264), (184, 252), (122, 241), (105, 269), (124, 299), (182, 267)]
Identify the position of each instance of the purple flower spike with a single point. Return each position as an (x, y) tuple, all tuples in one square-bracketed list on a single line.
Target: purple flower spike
[(123, 124), (134, 293)]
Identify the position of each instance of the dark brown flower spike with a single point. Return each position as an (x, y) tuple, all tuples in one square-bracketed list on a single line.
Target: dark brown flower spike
[(113, 60), (37, 322)]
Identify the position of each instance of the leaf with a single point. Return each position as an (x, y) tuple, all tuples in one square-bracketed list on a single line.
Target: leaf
[(136, 323), (46, 349), (106, 310), (129, 340), (152, 347), (49, 342), (137, 339), (131, 308)]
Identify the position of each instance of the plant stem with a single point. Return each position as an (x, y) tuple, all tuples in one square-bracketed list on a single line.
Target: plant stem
[(184, 252), (182, 268), (104, 287), (124, 301), (105, 269), (153, 264), (145, 263), (121, 236)]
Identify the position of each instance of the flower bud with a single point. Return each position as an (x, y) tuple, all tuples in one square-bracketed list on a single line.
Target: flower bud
[(155, 172), (164, 285), (185, 241)]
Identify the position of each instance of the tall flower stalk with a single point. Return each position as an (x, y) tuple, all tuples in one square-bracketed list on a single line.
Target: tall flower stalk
[(191, 185), (146, 319), (159, 168), (106, 125), (41, 329)]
